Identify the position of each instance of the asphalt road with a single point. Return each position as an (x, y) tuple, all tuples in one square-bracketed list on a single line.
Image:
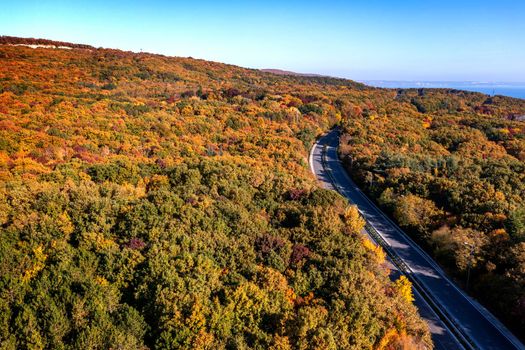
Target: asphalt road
[(461, 320)]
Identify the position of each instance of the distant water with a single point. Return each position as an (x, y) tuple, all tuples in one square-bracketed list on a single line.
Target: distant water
[(516, 90)]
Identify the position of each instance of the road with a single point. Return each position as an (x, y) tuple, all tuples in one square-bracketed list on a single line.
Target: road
[(456, 321)]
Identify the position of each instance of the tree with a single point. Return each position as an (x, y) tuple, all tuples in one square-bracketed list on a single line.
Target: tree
[(353, 220), (515, 225), (418, 213), (404, 288)]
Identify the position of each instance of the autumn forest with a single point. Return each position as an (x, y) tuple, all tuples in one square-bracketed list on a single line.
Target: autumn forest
[(162, 202)]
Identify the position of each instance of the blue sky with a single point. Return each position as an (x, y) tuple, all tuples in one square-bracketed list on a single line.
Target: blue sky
[(358, 39)]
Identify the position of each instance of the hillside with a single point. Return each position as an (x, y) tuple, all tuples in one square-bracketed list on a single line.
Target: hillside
[(163, 202), (160, 202)]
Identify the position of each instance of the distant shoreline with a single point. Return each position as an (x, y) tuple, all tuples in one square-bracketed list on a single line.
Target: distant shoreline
[(516, 90)]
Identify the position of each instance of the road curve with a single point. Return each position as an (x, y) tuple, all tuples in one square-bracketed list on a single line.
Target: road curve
[(456, 321)]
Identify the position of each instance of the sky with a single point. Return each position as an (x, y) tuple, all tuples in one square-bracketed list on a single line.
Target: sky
[(446, 40)]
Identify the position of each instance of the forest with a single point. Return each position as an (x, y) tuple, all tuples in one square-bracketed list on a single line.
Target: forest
[(449, 167), (153, 202)]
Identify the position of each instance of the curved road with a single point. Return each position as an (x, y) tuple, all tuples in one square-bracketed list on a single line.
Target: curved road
[(456, 321)]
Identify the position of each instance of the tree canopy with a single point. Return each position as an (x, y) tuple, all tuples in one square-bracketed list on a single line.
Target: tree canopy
[(162, 202), (449, 167)]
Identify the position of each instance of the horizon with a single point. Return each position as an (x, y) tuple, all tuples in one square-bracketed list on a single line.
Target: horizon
[(364, 81), (375, 40)]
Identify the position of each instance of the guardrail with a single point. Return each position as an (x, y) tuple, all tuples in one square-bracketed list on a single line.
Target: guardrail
[(448, 320)]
